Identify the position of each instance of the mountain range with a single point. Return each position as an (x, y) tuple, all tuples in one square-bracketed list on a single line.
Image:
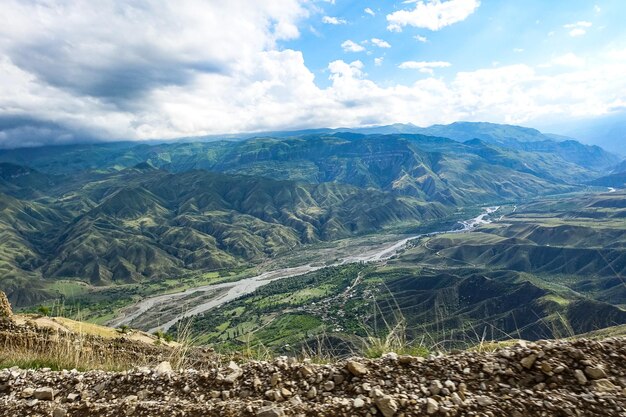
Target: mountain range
[(116, 213)]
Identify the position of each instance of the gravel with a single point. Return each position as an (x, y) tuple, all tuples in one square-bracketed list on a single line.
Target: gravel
[(546, 378)]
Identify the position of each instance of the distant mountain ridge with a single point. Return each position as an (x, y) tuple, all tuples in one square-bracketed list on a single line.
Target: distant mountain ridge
[(126, 154)]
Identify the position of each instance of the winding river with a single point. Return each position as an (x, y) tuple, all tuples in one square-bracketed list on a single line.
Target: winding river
[(215, 295)]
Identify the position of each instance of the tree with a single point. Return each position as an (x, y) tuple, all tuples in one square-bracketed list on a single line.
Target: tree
[(44, 310)]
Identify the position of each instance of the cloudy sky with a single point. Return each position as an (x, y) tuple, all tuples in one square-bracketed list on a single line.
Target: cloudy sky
[(72, 70)]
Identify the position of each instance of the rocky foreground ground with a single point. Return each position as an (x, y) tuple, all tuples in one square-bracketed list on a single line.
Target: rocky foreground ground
[(546, 378)]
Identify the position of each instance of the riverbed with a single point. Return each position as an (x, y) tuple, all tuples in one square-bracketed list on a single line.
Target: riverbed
[(229, 291)]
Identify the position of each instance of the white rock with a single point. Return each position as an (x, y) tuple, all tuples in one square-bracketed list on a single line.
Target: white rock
[(432, 406), (164, 368), (358, 403)]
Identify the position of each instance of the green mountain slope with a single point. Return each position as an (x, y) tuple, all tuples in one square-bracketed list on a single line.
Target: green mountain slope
[(120, 213), (23, 182), (550, 268), (147, 224)]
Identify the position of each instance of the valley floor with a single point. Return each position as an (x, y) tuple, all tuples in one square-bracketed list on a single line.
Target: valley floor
[(164, 311)]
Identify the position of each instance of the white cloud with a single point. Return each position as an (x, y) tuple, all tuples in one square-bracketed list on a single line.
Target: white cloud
[(577, 32), (578, 28), (432, 14), (95, 69), (340, 69), (518, 50), (351, 46), (420, 38), (333, 20), (426, 67), (380, 43), (378, 61), (369, 11), (230, 77), (581, 24), (568, 60), (597, 8)]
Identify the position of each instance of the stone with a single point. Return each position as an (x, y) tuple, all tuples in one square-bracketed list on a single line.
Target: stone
[(44, 394), (5, 306), (450, 385), (489, 367), (595, 373), (546, 368), (295, 400), (73, 397), (270, 411), (484, 401), (163, 368), (275, 379), (306, 371), (391, 356), (312, 393), (59, 412), (603, 385), (576, 354), (358, 403), (357, 368), (329, 386), (432, 406), (338, 379), (32, 403), (528, 361), (580, 377), (28, 392), (435, 387), (406, 359), (236, 373), (456, 399), (387, 405)]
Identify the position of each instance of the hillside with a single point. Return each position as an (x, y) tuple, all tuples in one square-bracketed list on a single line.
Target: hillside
[(617, 179), (99, 227), (122, 213), (148, 224), (545, 269)]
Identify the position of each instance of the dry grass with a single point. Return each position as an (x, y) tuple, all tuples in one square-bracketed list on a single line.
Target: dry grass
[(57, 352), (59, 343), (394, 340)]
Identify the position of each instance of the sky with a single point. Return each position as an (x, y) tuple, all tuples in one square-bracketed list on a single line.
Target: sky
[(142, 69)]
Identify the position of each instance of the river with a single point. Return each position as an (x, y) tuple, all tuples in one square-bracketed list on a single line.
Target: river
[(228, 291)]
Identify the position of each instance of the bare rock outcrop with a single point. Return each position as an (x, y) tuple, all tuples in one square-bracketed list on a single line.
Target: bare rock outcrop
[(5, 306)]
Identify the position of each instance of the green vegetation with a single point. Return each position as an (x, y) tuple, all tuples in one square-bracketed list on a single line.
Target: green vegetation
[(545, 270), (86, 230), (137, 227)]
